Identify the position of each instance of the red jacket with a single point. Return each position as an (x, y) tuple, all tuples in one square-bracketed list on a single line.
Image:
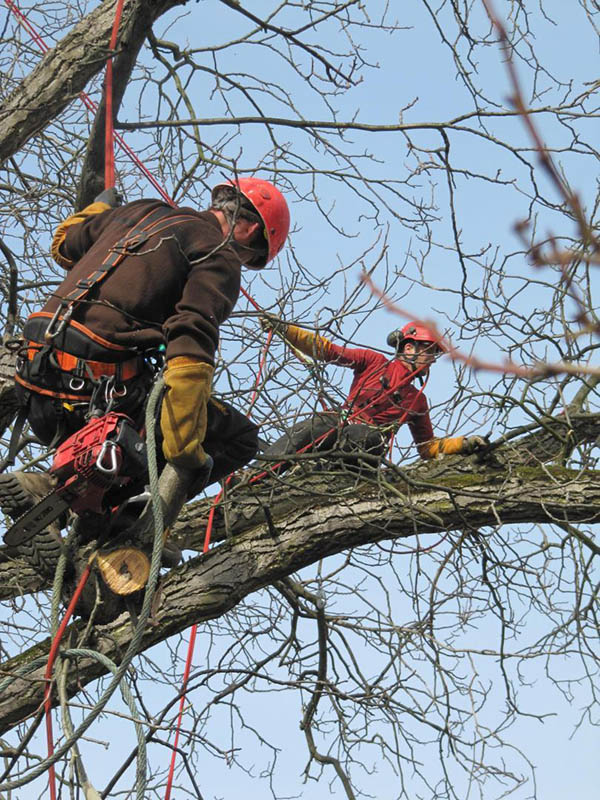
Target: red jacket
[(381, 392)]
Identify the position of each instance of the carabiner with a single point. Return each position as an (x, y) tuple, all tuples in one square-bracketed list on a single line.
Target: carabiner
[(50, 334), (118, 391), (110, 448)]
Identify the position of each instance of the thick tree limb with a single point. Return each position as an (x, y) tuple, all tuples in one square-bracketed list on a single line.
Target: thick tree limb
[(209, 586), (246, 507)]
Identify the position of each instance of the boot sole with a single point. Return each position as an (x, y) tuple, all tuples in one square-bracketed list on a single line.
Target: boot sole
[(41, 552), (14, 500)]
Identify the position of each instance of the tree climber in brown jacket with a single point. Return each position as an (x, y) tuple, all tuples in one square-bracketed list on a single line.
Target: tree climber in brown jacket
[(144, 278), (381, 398)]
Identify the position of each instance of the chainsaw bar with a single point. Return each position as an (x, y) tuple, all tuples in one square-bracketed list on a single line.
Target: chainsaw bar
[(36, 519)]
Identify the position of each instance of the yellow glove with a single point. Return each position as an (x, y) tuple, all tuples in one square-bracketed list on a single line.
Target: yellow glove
[(309, 343), (269, 322), (60, 234), (437, 447), (463, 445), (183, 414)]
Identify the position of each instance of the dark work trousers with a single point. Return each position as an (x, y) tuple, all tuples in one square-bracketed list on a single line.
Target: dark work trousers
[(231, 438), (356, 443)]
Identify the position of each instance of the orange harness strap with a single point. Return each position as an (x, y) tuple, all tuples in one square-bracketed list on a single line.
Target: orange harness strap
[(84, 368)]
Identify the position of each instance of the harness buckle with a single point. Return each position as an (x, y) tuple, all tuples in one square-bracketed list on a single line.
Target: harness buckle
[(133, 244)]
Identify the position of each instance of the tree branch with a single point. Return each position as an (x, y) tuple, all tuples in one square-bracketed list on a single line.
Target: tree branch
[(329, 522), (63, 73)]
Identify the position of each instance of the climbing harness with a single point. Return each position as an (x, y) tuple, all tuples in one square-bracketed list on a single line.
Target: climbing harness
[(48, 366)]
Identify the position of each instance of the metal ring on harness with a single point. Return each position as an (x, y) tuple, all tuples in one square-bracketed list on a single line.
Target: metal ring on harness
[(119, 391), (109, 448), (76, 384)]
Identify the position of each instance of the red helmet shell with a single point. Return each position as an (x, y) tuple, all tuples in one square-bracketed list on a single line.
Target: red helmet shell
[(271, 207), (414, 332)]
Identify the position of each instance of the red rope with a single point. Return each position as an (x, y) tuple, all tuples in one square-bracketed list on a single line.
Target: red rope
[(90, 104), (48, 674), (207, 537), (186, 675), (109, 131), (27, 25)]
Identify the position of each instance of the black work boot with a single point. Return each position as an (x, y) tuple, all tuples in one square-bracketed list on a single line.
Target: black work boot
[(19, 492), (171, 555)]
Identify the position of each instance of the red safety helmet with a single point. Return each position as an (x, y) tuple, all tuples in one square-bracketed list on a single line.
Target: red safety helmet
[(414, 332), (270, 206)]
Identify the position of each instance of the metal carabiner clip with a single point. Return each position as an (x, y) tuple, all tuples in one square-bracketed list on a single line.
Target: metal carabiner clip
[(62, 323), (76, 384), (109, 448)]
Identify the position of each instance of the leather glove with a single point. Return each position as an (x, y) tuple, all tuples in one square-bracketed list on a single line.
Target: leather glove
[(111, 197), (474, 444), (183, 413), (269, 322)]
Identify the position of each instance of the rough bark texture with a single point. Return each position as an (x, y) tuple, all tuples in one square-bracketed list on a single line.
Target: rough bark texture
[(330, 521), (64, 72), (8, 400)]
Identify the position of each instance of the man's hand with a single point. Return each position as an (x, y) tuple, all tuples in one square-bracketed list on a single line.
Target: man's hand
[(183, 413), (111, 197), (269, 322), (474, 444)]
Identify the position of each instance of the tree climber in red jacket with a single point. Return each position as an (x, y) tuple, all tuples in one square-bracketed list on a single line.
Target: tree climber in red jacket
[(382, 397), (144, 278)]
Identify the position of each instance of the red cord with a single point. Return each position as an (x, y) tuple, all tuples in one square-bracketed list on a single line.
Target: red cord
[(90, 104), (207, 537), (48, 674), (250, 299), (186, 675), (27, 25), (109, 132)]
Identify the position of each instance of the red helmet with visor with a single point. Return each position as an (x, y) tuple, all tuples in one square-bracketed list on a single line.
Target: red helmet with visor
[(270, 206), (414, 332)]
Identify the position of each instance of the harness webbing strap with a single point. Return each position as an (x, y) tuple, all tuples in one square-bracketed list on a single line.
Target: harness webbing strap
[(85, 367), (135, 237)]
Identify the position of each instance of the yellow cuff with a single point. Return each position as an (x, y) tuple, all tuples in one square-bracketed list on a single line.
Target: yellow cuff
[(307, 342), (435, 447), (61, 232), (185, 361)]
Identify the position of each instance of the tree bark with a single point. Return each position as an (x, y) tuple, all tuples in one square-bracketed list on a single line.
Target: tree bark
[(330, 521), (64, 72)]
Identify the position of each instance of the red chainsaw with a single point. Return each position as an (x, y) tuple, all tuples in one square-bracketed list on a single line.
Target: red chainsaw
[(96, 468)]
